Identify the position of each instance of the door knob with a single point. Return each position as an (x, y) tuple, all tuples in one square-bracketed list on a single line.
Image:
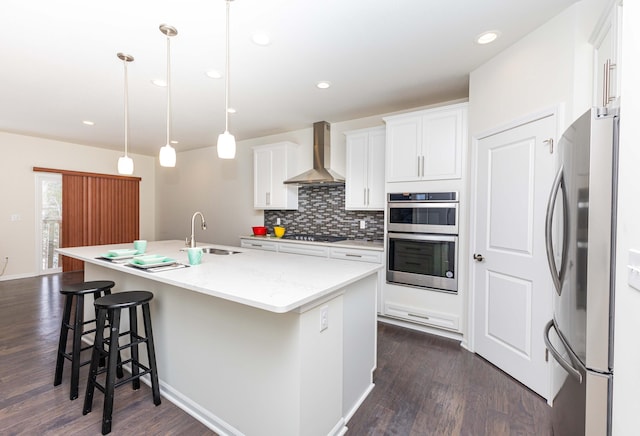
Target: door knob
[(478, 257)]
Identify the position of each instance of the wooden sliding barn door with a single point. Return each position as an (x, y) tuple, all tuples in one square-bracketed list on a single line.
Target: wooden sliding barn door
[(97, 209)]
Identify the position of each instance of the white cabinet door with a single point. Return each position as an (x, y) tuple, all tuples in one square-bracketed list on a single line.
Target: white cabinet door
[(262, 183), (375, 175), (426, 145), (356, 175), (272, 165), (364, 185), (442, 139), (606, 69), (403, 148)]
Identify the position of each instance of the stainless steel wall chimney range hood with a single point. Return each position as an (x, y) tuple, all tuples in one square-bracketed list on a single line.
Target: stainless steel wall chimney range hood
[(321, 172)]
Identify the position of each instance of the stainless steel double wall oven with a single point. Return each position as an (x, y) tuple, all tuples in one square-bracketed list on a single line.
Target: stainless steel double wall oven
[(422, 240)]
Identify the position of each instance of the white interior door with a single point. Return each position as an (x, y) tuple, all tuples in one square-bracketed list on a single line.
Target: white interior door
[(512, 286)]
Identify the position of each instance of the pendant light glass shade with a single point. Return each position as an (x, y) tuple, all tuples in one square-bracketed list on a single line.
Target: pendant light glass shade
[(168, 153), (168, 156), (226, 141), (125, 163), (226, 145)]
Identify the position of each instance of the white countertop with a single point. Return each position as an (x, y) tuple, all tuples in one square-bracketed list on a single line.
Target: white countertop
[(347, 243), (277, 282)]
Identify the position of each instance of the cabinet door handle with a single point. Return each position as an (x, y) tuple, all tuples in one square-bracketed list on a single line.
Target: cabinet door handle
[(364, 196), (418, 159), (422, 160), (609, 66), (352, 255), (268, 199), (367, 196)]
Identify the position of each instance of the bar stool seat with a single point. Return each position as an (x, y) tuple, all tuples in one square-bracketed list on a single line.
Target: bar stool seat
[(110, 306), (77, 292)]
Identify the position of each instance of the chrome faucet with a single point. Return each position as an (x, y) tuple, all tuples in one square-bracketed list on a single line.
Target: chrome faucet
[(191, 241)]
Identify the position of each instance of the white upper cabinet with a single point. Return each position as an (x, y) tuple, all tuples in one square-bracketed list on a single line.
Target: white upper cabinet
[(426, 145), (606, 58), (364, 184), (272, 165)]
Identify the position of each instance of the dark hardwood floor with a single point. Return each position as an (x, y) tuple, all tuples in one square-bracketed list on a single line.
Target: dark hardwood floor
[(425, 385)]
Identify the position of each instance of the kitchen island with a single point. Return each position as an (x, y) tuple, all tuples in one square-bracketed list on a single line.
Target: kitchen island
[(256, 342)]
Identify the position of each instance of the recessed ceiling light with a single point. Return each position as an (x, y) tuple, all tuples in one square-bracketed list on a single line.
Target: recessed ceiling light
[(173, 141), (88, 123), (231, 110), (260, 38), (159, 82), (323, 84), (487, 37), (213, 74)]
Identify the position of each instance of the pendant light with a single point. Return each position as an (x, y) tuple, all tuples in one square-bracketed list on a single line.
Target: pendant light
[(125, 163), (168, 153), (226, 141)]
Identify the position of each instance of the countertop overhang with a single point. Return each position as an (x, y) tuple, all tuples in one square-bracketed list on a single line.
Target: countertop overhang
[(276, 282)]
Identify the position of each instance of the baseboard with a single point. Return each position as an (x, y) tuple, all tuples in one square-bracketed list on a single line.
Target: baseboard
[(18, 276), (421, 328), (358, 403)]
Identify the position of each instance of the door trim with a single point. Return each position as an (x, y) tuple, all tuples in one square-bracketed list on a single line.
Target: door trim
[(557, 111)]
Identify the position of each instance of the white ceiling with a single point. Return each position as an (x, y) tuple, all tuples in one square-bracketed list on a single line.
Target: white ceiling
[(59, 64)]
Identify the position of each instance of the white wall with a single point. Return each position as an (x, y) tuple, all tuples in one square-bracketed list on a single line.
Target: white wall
[(550, 66), (626, 384), (17, 179)]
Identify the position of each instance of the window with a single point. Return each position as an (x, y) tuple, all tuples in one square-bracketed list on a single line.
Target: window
[(48, 221)]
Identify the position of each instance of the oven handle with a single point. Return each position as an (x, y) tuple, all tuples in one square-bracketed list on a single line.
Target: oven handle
[(422, 237), (422, 205)]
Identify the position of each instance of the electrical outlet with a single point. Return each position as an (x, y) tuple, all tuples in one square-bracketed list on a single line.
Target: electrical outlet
[(277, 221), (363, 224), (15, 217), (324, 318)]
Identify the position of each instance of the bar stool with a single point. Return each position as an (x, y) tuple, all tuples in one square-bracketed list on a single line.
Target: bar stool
[(110, 306), (77, 291)]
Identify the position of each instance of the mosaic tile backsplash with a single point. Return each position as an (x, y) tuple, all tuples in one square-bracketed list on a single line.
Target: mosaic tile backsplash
[(321, 212)]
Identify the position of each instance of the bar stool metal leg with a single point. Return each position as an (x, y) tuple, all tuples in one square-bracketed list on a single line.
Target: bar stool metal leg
[(64, 333), (133, 339), (77, 346), (151, 353), (110, 384), (93, 368)]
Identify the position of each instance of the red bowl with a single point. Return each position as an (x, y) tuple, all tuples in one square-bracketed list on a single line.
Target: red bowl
[(259, 230)]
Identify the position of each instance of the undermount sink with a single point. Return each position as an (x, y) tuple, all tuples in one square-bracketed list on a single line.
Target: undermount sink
[(211, 250)]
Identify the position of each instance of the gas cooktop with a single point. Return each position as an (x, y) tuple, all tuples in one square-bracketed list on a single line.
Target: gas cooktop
[(315, 238)]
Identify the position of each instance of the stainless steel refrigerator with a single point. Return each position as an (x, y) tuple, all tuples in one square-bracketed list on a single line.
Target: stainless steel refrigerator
[(580, 241)]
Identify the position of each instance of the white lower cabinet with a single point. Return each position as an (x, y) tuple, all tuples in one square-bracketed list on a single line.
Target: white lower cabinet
[(441, 310), (304, 249), (259, 245)]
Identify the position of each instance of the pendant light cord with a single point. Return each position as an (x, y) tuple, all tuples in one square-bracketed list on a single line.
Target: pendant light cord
[(168, 86), (126, 109), (226, 74)]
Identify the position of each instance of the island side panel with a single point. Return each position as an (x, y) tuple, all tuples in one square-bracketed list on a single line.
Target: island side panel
[(238, 369), (360, 339)]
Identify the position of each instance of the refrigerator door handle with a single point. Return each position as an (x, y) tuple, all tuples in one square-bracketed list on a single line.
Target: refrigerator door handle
[(557, 276), (556, 355)]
